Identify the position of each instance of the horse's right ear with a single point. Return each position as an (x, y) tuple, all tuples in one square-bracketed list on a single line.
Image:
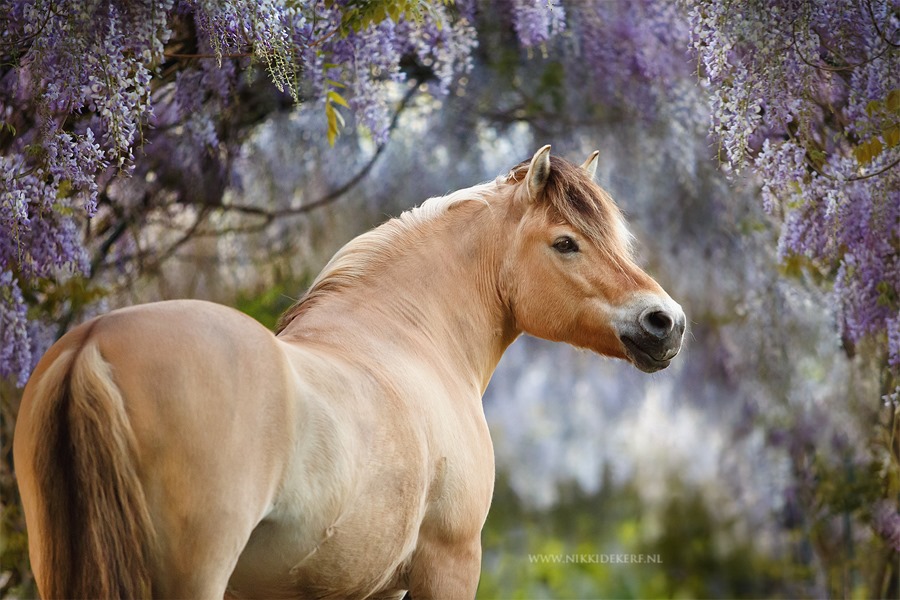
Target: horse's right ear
[(538, 172)]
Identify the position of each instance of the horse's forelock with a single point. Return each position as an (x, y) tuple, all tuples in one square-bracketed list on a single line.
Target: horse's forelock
[(572, 196)]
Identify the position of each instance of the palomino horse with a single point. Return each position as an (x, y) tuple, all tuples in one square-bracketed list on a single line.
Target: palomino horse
[(180, 449)]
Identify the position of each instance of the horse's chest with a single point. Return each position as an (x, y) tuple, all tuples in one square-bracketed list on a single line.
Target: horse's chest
[(462, 486), (369, 546)]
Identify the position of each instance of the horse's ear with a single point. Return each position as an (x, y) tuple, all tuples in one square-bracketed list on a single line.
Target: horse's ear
[(538, 172), (590, 165)]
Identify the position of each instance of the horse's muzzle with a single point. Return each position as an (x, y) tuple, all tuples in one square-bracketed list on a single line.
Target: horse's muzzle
[(655, 339)]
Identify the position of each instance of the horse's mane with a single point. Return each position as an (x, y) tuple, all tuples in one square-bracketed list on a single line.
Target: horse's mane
[(570, 195), (365, 252)]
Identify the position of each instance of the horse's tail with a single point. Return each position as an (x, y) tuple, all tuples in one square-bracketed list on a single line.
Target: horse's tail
[(96, 529)]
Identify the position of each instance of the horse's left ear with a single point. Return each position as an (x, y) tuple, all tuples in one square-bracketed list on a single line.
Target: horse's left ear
[(590, 165), (538, 172)]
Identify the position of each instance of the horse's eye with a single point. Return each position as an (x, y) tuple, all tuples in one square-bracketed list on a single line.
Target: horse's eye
[(565, 245)]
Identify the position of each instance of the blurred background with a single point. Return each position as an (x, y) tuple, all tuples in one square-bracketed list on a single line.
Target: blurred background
[(756, 465)]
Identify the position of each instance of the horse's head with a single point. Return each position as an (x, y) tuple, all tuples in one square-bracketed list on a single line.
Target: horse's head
[(570, 276)]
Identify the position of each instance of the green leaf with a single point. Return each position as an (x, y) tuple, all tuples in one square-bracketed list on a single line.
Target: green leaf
[(891, 135), (331, 117), (887, 295), (65, 189), (867, 151), (876, 147), (818, 157), (63, 209)]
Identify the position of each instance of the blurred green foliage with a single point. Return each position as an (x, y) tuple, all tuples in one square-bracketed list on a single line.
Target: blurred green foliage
[(619, 547), (266, 305)]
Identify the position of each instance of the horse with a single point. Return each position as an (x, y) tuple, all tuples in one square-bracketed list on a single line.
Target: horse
[(180, 449)]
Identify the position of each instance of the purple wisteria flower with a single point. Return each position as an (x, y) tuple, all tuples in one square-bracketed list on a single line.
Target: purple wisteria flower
[(808, 95), (537, 21)]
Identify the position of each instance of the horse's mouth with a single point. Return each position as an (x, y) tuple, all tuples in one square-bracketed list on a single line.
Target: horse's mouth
[(641, 359)]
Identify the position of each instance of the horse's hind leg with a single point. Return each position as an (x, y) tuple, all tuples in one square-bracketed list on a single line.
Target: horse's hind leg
[(196, 567), (198, 548), (202, 585), (181, 576)]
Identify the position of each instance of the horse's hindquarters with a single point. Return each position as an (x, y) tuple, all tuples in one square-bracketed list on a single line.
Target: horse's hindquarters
[(204, 391), (211, 402)]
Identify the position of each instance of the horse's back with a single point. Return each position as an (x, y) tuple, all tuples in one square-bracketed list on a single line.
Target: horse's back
[(206, 391)]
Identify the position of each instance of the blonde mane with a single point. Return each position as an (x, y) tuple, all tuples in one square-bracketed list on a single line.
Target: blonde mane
[(377, 246), (570, 195)]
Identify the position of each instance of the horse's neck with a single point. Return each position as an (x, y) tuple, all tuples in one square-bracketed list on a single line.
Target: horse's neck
[(437, 299)]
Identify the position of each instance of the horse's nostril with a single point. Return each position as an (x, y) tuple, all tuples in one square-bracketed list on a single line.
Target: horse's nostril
[(657, 323)]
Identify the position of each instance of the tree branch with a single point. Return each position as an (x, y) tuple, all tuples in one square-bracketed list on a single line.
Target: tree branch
[(821, 67), (271, 214), (878, 30)]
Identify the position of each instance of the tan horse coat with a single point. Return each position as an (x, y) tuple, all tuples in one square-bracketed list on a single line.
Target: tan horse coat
[(179, 448)]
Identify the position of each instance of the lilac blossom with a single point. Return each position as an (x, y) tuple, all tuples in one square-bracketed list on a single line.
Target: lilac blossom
[(893, 334), (801, 94), (15, 351)]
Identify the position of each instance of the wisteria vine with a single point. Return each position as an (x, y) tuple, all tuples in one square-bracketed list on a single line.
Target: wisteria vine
[(808, 95), (96, 92)]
